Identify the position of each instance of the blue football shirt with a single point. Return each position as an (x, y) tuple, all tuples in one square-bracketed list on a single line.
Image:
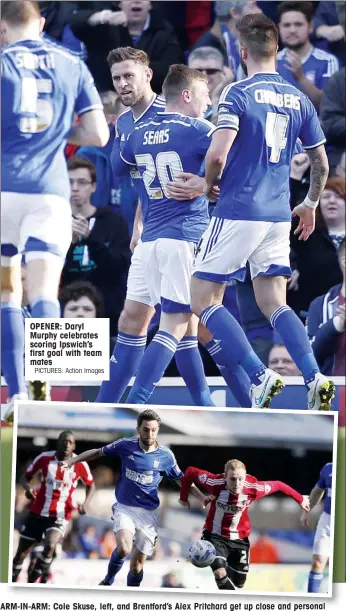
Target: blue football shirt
[(42, 86), (318, 67), (160, 148), (141, 472), (325, 483), (269, 115)]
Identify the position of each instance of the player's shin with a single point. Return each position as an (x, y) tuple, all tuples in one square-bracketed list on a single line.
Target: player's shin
[(234, 375), (224, 583), (314, 582), (115, 563), (291, 329), (42, 567), (124, 363), (134, 579), (223, 326), (152, 367), (190, 365), (16, 569)]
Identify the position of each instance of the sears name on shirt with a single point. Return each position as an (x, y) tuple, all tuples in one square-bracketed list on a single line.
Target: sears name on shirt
[(159, 137)]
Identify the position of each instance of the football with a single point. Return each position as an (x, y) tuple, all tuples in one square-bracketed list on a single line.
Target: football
[(202, 554)]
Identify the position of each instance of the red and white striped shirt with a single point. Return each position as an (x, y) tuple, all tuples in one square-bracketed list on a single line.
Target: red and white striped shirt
[(228, 512), (54, 499)]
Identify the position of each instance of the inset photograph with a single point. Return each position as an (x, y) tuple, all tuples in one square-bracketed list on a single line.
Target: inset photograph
[(181, 498)]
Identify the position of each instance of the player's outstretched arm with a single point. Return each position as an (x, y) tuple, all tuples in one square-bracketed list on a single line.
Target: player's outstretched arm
[(91, 131), (85, 456)]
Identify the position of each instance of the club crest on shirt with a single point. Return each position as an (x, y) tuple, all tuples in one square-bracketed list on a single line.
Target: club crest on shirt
[(202, 478), (311, 75), (156, 463), (267, 488)]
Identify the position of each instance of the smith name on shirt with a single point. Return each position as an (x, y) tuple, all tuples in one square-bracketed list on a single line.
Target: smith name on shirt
[(32, 62)]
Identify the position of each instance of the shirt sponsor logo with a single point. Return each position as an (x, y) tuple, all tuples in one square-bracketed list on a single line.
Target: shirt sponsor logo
[(139, 478), (57, 484)]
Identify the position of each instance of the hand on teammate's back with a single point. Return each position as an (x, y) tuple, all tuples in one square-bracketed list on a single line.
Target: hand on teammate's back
[(188, 186)]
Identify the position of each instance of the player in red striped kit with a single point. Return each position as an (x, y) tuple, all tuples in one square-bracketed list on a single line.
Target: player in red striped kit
[(51, 505), (227, 525)]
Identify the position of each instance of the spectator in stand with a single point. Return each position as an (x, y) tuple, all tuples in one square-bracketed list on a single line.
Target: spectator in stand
[(340, 168), (317, 259), (81, 299), (332, 115), (107, 543), (100, 251), (263, 551), (89, 543), (134, 25), (329, 32), (281, 361), (56, 27), (299, 63), (224, 35), (326, 324), (210, 61)]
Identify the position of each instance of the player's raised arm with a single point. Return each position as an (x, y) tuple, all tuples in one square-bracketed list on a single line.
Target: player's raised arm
[(266, 488), (84, 457)]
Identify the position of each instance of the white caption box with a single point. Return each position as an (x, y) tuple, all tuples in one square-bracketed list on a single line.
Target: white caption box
[(66, 349)]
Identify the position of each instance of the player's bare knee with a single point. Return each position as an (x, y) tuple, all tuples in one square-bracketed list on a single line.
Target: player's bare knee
[(135, 318), (220, 573), (124, 549)]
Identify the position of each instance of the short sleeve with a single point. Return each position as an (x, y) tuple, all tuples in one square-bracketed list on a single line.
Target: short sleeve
[(311, 133), (322, 479), (205, 131), (114, 449), (34, 467), (172, 469), (231, 107), (88, 97)]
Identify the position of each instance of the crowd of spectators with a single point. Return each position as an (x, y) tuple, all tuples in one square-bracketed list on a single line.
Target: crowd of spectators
[(204, 36)]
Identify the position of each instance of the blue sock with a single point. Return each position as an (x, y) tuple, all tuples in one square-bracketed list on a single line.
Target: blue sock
[(235, 346), (314, 583), (45, 308), (114, 566), (237, 380), (134, 580), (12, 348), (153, 365), (190, 365), (124, 363), (294, 336)]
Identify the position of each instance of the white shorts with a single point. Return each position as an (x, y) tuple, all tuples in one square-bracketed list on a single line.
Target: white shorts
[(227, 245), (142, 523), (137, 288), (322, 536), (161, 274), (33, 223)]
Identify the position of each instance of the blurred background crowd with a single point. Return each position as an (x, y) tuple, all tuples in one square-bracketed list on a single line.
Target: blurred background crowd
[(202, 34)]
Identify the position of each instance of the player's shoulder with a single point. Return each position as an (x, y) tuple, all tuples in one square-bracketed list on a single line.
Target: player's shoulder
[(252, 483), (203, 125), (159, 102), (327, 467), (46, 456), (166, 451)]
